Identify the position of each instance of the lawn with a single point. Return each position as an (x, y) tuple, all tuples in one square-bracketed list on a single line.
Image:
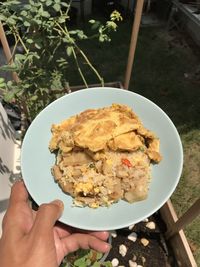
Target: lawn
[(167, 71)]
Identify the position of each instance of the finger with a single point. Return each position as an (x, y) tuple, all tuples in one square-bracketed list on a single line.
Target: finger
[(63, 230), (84, 241), (18, 193), (18, 197), (101, 235), (46, 217)]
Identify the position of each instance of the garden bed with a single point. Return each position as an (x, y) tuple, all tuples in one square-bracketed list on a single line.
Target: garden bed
[(145, 245)]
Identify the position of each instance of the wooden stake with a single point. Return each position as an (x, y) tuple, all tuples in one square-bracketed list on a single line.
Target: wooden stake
[(185, 219), (178, 242), (134, 36), (6, 50)]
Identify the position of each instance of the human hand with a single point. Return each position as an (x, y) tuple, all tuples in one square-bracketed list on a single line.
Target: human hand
[(35, 239)]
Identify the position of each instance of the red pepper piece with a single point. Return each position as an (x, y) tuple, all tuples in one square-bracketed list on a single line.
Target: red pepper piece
[(126, 162)]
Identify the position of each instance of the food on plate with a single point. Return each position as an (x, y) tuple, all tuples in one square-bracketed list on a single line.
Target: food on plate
[(104, 155)]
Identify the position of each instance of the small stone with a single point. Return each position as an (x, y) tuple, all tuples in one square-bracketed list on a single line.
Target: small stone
[(144, 242), (115, 262), (151, 225), (113, 233), (134, 258), (122, 250), (132, 236), (132, 263), (131, 226), (143, 260)]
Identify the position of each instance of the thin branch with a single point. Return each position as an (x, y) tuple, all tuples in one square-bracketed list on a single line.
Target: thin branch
[(79, 69), (21, 41), (65, 31), (15, 46), (91, 66)]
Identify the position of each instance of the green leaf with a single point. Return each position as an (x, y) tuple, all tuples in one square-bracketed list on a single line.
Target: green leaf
[(73, 32), (62, 19), (37, 46), (56, 7), (9, 83), (107, 264), (49, 2), (30, 41), (26, 23), (81, 34), (20, 57), (88, 262), (12, 67), (11, 21), (27, 7), (37, 21), (64, 4), (9, 96), (32, 2), (69, 50), (45, 14), (24, 13), (15, 2), (92, 21), (101, 38), (99, 255), (34, 97), (2, 17), (2, 83)]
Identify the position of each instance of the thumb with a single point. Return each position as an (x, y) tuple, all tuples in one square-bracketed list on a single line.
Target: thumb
[(46, 217)]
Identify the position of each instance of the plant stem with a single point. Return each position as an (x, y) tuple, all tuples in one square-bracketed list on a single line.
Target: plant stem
[(21, 41), (15, 46), (79, 69), (91, 66), (65, 31)]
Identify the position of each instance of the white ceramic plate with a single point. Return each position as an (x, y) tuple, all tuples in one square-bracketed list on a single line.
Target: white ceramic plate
[(36, 159)]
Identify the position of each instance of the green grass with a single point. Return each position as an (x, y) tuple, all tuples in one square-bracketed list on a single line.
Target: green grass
[(163, 72)]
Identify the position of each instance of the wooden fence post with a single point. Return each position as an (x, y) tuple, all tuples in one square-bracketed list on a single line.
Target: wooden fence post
[(134, 36), (185, 219)]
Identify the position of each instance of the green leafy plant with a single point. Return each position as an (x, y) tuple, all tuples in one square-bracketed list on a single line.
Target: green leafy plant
[(85, 258), (41, 29)]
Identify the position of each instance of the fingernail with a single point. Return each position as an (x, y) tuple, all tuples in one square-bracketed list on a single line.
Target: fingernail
[(58, 203)]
